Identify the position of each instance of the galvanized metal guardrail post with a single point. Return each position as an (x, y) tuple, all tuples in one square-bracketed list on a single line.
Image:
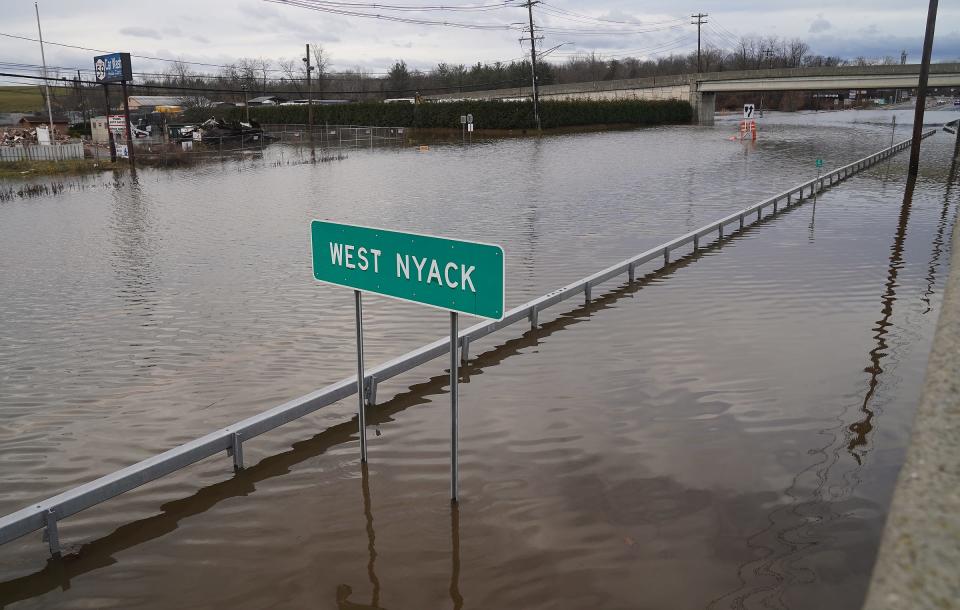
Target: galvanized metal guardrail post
[(47, 513)]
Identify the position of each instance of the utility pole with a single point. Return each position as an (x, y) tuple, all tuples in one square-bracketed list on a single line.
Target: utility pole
[(246, 104), (110, 140), (306, 60), (129, 126), (700, 20), (46, 83), (83, 103), (922, 89), (768, 54), (533, 63)]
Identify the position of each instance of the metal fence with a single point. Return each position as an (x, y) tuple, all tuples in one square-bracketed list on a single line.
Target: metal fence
[(42, 152), (46, 514), (327, 143), (336, 136)]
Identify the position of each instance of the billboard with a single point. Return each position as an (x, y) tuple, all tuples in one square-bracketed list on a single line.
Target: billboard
[(112, 68)]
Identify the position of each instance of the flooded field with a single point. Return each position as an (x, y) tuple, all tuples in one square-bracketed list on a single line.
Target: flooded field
[(723, 434)]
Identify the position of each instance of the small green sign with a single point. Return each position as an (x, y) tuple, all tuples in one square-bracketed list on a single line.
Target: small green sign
[(460, 276), (819, 162)]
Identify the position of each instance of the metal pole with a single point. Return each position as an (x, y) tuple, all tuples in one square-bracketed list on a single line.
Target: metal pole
[(361, 412), (112, 144), (454, 415), (922, 89), (46, 83), (126, 114)]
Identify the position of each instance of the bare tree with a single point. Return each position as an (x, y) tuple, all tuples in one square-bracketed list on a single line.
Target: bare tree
[(321, 65), (293, 70)]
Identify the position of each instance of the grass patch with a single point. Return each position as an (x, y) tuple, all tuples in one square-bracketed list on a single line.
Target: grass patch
[(29, 169), (20, 99)]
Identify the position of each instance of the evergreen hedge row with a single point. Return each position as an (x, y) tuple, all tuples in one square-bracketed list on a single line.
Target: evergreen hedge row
[(486, 114)]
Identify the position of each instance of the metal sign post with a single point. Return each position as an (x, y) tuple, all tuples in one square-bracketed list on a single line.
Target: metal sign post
[(454, 411), (361, 411), (456, 276), (110, 141), (116, 68)]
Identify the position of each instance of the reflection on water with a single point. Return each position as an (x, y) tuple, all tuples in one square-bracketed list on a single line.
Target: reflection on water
[(764, 582), (707, 431)]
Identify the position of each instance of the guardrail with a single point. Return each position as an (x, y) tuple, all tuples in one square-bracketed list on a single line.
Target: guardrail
[(47, 513)]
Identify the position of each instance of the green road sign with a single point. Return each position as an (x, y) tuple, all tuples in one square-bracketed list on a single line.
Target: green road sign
[(819, 162), (460, 276)]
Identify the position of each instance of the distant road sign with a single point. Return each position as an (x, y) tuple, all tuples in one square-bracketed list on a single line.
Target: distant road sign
[(460, 276), (748, 111), (463, 119), (112, 68), (819, 162), (469, 119), (470, 127)]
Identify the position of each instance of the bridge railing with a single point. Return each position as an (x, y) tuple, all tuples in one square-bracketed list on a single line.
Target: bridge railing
[(47, 513)]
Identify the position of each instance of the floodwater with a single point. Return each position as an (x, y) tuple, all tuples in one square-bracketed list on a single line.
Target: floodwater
[(722, 434)]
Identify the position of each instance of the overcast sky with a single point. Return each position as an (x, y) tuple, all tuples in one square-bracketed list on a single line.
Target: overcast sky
[(220, 31)]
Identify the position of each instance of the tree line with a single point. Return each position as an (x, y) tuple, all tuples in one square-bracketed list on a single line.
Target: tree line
[(287, 77)]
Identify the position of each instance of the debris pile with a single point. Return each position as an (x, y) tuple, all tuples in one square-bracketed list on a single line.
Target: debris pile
[(19, 137)]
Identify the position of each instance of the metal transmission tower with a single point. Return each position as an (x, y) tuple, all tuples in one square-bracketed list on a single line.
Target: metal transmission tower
[(533, 63), (700, 20)]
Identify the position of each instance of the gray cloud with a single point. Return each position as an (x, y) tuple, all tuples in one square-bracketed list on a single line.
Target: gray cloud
[(820, 25), (222, 31), (138, 32)]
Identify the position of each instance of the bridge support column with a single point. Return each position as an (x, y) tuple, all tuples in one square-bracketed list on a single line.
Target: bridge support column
[(704, 107)]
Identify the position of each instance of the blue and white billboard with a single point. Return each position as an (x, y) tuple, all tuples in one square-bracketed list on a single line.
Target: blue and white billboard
[(112, 68)]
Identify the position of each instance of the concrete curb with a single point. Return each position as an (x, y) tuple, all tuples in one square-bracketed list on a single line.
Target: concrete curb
[(918, 566)]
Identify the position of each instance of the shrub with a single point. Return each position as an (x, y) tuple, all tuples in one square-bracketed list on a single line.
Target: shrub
[(486, 114)]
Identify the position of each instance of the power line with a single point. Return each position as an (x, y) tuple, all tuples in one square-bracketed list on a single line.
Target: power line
[(313, 6), (670, 45), (588, 19), (414, 7)]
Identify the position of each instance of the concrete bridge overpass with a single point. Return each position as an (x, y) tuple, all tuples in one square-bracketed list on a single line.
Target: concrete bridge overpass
[(701, 89)]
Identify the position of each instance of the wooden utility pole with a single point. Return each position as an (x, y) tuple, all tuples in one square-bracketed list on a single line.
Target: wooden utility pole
[(126, 117), (921, 100), (700, 20), (46, 81), (533, 63), (306, 59), (110, 140)]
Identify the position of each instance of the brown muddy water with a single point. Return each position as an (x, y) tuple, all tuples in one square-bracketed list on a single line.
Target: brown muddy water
[(723, 434)]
